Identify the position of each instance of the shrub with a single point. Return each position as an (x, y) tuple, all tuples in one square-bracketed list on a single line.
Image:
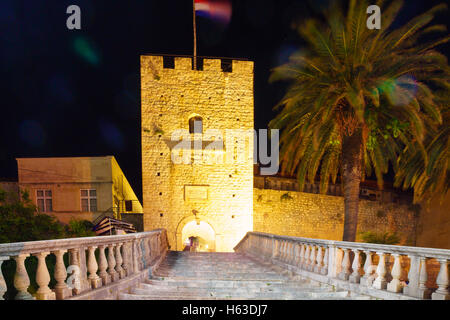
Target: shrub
[(380, 238)]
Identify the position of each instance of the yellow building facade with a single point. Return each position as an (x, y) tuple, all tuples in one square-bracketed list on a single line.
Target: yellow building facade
[(81, 188), (210, 196)]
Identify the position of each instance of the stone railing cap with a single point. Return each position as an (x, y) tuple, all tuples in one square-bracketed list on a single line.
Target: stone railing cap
[(16, 248), (402, 250)]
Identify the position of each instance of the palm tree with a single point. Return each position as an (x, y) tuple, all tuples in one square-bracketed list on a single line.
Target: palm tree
[(429, 174), (357, 98)]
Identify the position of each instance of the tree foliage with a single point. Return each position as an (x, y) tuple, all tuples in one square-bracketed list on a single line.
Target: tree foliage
[(350, 77), (20, 221)]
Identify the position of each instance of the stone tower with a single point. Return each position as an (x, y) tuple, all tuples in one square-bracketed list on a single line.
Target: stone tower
[(211, 197)]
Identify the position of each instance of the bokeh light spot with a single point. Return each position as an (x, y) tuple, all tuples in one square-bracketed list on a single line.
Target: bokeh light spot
[(86, 50), (31, 132), (111, 134)]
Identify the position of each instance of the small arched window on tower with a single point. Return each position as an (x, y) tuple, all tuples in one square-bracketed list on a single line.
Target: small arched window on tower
[(196, 125)]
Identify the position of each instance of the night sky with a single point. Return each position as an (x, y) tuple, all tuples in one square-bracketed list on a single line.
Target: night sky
[(77, 92)]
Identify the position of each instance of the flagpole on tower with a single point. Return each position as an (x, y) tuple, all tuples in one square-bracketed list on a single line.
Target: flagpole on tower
[(195, 35)]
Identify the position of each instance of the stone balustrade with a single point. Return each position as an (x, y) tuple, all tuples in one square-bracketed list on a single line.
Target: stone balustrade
[(379, 271), (98, 267)]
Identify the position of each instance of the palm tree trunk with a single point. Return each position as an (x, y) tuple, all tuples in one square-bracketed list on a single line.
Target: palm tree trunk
[(351, 177)]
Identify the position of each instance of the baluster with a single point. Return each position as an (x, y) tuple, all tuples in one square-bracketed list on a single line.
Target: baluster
[(136, 256), (151, 252), (368, 277), (288, 252), (77, 257), (296, 254), (312, 258), (112, 263), (93, 278), (318, 267), (61, 289), (290, 256), (442, 281), (395, 285), (103, 265), (43, 278), (417, 278), (21, 280), (380, 281), (345, 272), (324, 270), (302, 255), (119, 261), (3, 287), (282, 254), (307, 256), (126, 259), (141, 255), (356, 266)]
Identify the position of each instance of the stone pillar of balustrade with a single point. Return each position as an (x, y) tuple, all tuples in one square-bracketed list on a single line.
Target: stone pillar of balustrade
[(302, 255), (112, 264), (92, 266), (395, 285), (380, 281), (3, 287), (324, 269), (77, 257), (136, 266), (334, 261), (368, 277), (126, 258), (297, 249), (442, 281), (345, 266), (43, 278), (21, 279), (103, 265), (356, 266), (62, 291), (312, 258), (417, 278), (306, 262), (119, 261), (319, 259)]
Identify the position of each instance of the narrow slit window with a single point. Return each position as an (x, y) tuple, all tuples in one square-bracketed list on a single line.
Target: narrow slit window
[(196, 125)]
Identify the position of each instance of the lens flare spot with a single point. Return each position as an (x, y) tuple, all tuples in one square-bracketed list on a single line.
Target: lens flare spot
[(216, 10), (86, 50), (111, 134), (400, 91), (31, 132)]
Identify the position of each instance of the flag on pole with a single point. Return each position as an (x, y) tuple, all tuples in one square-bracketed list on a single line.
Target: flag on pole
[(217, 10)]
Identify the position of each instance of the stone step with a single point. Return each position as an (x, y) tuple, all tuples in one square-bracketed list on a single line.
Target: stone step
[(174, 295), (278, 289), (220, 275), (202, 283)]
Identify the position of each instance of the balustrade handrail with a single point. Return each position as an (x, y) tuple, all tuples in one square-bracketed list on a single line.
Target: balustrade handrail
[(340, 263), (93, 262), (15, 248), (406, 250)]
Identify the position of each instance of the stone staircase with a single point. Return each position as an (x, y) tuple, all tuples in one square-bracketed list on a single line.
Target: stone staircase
[(224, 276)]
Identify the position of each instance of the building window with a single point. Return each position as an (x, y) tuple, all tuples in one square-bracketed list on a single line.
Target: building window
[(44, 200), (196, 125), (88, 200)]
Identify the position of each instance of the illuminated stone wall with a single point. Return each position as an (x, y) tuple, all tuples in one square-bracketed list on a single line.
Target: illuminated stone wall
[(319, 216), (220, 195)]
